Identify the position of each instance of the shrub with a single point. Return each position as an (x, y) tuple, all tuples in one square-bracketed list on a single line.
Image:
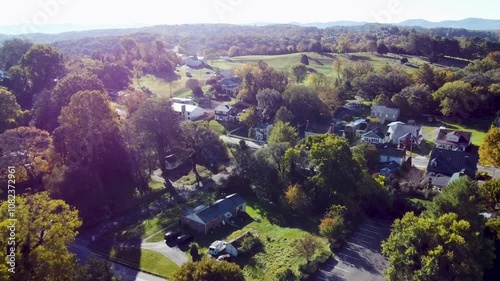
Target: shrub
[(250, 244)]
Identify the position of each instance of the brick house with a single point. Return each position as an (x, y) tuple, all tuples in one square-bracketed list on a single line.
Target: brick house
[(204, 218)]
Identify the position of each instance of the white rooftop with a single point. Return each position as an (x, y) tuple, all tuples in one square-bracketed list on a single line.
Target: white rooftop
[(189, 107)]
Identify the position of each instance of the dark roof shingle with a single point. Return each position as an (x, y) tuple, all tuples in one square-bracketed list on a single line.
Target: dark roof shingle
[(448, 162)]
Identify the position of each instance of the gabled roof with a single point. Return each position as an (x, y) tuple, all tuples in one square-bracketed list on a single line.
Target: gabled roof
[(387, 150), (448, 162), (385, 110), (189, 107), (376, 133), (388, 168), (463, 137), (217, 209), (230, 82), (223, 107), (402, 130)]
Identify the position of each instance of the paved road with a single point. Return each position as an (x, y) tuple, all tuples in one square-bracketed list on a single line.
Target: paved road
[(420, 162), (124, 272), (360, 259)]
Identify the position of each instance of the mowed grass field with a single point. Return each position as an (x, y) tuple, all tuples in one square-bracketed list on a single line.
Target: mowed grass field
[(323, 63)]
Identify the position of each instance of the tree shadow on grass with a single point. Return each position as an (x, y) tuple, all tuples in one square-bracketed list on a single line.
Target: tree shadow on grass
[(317, 61), (360, 58)]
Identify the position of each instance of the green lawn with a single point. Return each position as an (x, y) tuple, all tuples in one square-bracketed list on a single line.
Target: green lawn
[(478, 128), (155, 185), (138, 231), (216, 126), (322, 63), (190, 178), (279, 246), (146, 260)]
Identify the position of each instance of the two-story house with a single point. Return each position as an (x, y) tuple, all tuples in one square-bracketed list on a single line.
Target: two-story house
[(225, 113), (230, 86), (188, 111), (453, 140), (400, 133)]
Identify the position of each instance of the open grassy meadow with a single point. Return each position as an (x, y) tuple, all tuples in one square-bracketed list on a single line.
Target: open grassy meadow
[(323, 63)]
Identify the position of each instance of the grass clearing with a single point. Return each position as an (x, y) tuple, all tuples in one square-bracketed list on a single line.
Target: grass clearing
[(146, 260), (190, 178), (323, 63), (216, 126), (279, 242), (477, 127), (156, 185)]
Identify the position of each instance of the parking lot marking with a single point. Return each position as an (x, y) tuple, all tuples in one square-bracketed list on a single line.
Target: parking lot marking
[(371, 237), (336, 267), (372, 226), (342, 254), (327, 273), (363, 241), (364, 229), (379, 223), (356, 245)]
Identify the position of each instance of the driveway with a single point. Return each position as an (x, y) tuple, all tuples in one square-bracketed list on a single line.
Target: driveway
[(360, 259), (123, 272), (173, 253)]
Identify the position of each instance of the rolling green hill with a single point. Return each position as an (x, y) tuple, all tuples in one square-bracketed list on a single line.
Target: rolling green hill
[(323, 63)]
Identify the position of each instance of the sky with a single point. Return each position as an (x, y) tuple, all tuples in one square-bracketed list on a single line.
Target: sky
[(149, 12)]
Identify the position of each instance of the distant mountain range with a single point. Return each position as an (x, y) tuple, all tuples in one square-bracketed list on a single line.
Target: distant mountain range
[(469, 23)]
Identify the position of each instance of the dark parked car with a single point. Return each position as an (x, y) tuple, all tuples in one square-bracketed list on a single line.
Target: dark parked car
[(184, 239), (171, 235)]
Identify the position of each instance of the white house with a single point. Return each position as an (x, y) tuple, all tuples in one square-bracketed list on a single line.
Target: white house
[(384, 113), (188, 111), (375, 136), (399, 132)]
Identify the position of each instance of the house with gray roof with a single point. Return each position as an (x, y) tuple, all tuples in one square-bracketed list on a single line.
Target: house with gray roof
[(375, 136), (384, 113), (399, 133), (204, 218), (445, 163), (230, 86)]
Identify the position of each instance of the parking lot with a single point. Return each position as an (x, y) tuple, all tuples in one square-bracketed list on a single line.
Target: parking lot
[(360, 259)]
